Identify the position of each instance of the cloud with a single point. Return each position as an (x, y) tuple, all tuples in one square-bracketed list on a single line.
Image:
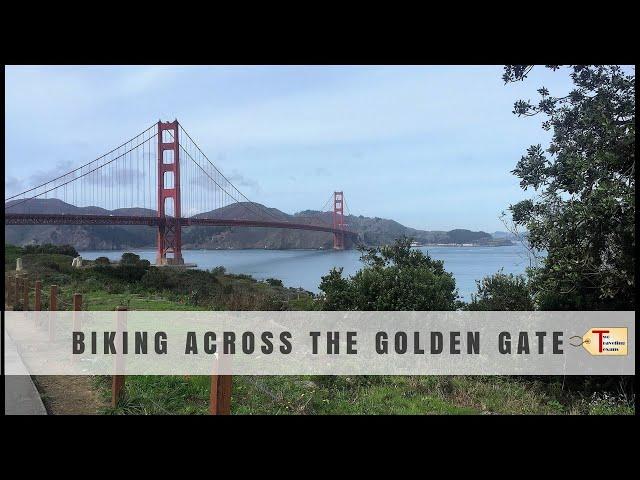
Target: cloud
[(112, 178), (13, 186), (240, 180)]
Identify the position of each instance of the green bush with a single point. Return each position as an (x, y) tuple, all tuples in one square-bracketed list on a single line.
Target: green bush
[(102, 261), (11, 253), (128, 273), (50, 249), (47, 262), (274, 282), (220, 270), (129, 258), (501, 292), (395, 277), (244, 276)]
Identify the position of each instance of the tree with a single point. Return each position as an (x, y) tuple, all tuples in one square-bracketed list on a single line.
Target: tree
[(501, 292), (583, 214), (394, 277), (129, 258), (49, 248), (102, 261)]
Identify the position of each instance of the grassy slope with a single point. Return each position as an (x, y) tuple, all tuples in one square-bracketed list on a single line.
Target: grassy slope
[(314, 395), (404, 395)]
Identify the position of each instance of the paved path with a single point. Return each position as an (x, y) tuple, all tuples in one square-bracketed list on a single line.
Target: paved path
[(20, 394)]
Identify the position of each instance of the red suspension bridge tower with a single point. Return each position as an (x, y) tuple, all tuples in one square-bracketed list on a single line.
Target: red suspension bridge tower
[(338, 220), (169, 230)]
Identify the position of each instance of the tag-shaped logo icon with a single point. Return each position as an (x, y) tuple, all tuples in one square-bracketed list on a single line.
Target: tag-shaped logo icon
[(606, 341)]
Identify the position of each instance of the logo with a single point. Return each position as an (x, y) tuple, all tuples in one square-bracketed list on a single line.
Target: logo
[(605, 341)]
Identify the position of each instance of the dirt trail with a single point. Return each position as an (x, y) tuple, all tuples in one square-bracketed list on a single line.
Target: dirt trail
[(70, 394)]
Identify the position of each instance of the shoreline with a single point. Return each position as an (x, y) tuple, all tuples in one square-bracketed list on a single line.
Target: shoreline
[(446, 245)]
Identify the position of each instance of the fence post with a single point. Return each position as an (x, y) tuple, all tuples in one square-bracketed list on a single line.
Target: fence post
[(26, 293), (77, 302), (38, 299), (53, 298), (220, 396), (117, 381)]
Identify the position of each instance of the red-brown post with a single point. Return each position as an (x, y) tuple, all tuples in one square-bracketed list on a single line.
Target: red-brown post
[(220, 396), (38, 299), (77, 302), (117, 384), (117, 381), (53, 298), (25, 286)]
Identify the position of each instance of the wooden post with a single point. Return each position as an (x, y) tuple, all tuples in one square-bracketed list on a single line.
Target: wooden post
[(117, 384), (117, 381), (26, 293), (53, 298), (77, 302), (38, 299), (220, 396)]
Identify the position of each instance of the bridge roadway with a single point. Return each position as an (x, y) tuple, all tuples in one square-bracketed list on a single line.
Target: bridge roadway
[(63, 219)]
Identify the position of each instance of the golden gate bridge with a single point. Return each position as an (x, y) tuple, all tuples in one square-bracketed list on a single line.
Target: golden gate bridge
[(159, 178)]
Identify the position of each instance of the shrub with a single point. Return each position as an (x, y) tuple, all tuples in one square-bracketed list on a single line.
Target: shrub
[(128, 273), (102, 261), (395, 277), (11, 252), (274, 282), (50, 248), (220, 270), (501, 292), (129, 258), (244, 276)]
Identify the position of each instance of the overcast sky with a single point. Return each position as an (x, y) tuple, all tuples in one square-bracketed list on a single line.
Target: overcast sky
[(430, 147)]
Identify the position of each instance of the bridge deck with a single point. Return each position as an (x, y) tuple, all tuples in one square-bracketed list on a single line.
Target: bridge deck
[(63, 219)]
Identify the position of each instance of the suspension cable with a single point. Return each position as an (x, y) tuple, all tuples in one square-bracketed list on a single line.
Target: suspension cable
[(80, 167), (83, 175), (219, 186), (228, 181)]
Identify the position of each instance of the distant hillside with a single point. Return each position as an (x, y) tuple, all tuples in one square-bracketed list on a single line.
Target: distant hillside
[(373, 231), (510, 236), (83, 237)]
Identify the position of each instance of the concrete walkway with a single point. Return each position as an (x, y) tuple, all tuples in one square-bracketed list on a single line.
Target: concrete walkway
[(20, 394)]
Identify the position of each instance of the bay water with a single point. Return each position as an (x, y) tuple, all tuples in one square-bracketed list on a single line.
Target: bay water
[(304, 268)]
